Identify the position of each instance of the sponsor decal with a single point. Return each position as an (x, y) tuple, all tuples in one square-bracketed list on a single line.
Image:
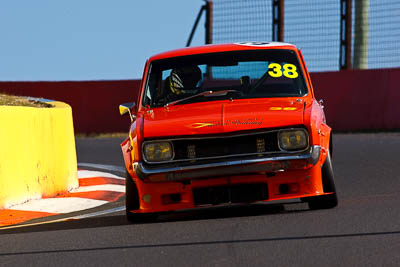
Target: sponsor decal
[(261, 44), (289, 70), (234, 122), (202, 124), (282, 108)]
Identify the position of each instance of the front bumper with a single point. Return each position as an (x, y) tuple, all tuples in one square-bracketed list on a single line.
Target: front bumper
[(229, 167)]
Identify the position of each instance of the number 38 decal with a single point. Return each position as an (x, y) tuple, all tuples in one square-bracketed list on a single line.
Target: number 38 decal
[(289, 70)]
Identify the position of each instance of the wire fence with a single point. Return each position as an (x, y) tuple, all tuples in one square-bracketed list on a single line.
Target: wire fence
[(314, 26), (383, 48), (241, 20)]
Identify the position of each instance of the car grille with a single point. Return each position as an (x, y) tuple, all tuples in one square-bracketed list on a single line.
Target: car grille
[(242, 193), (221, 147)]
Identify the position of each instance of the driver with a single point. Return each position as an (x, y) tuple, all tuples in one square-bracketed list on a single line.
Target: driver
[(184, 80)]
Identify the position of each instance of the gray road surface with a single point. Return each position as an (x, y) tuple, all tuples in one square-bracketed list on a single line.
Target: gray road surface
[(364, 230)]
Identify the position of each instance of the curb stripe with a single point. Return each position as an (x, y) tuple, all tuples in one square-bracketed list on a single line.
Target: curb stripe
[(103, 187), (89, 174), (108, 196), (59, 205), (97, 213), (8, 217), (100, 181), (96, 188)]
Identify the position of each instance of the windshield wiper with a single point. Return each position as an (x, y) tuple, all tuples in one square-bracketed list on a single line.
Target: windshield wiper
[(205, 93), (259, 82)]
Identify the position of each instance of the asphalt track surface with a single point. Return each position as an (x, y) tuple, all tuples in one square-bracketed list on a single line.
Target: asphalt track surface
[(364, 230)]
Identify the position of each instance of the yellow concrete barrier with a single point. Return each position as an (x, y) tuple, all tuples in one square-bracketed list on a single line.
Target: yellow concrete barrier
[(37, 153)]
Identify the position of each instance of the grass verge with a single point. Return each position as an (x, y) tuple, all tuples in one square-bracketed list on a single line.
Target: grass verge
[(10, 100), (101, 135)]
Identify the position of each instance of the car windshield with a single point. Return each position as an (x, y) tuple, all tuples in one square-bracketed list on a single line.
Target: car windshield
[(238, 75)]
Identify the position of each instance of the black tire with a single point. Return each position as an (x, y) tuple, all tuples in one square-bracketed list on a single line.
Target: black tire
[(132, 203), (326, 201)]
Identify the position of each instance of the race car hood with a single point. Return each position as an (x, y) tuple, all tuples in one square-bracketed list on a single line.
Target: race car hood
[(222, 117)]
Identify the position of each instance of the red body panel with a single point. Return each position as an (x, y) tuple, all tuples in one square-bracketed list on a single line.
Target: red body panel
[(222, 117), (218, 48), (307, 182)]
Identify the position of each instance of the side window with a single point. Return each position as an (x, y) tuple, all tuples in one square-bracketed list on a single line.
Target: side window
[(151, 88), (165, 74)]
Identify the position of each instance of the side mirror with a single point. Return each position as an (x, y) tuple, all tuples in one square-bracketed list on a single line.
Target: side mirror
[(127, 108)]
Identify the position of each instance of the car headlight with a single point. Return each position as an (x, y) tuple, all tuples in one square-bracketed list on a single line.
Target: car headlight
[(158, 151), (293, 139)]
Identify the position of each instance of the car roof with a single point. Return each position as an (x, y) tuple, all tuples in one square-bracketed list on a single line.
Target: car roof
[(213, 48)]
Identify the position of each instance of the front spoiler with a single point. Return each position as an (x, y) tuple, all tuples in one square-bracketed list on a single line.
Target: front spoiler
[(229, 167)]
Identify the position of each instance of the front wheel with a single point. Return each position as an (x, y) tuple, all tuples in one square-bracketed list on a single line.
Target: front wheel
[(132, 203), (325, 201)]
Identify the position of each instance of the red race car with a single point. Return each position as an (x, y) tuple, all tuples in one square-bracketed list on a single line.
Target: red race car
[(226, 124)]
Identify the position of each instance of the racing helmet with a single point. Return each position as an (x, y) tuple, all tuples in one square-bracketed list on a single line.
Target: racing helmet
[(183, 80)]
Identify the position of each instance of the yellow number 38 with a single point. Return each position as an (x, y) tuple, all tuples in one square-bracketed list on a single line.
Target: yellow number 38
[(289, 70)]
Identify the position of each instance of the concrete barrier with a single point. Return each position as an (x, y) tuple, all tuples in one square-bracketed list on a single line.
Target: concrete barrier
[(95, 103), (37, 157)]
